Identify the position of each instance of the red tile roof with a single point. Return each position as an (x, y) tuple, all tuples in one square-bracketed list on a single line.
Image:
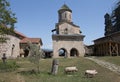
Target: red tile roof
[(25, 39), (16, 32), (32, 40), (20, 34)]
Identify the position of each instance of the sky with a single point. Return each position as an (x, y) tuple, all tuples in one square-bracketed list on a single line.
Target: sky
[(36, 18)]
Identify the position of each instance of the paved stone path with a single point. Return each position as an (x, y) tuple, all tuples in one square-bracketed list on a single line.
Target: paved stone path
[(110, 66)]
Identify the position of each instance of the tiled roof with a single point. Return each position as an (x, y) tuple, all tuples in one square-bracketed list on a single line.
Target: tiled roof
[(25, 39), (20, 34), (32, 40), (16, 32)]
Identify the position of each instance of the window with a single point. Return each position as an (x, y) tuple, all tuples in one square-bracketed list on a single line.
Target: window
[(66, 31), (65, 15)]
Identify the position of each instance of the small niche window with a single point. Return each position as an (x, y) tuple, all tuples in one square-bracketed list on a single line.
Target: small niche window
[(65, 15), (70, 16), (66, 31)]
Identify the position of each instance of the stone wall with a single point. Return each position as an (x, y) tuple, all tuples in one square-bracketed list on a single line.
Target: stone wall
[(70, 29), (68, 45), (11, 48)]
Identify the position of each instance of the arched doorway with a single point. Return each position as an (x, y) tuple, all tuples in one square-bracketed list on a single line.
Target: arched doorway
[(62, 52), (26, 51), (74, 52)]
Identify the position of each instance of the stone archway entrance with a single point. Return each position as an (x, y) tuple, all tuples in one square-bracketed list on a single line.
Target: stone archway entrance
[(74, 52), (62, 52)]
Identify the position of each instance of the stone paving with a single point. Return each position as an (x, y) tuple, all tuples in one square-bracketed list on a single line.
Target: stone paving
[(108, 65)]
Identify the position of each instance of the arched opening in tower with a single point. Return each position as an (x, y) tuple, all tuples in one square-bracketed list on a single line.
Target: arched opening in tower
[(62, 52), (74, 52)]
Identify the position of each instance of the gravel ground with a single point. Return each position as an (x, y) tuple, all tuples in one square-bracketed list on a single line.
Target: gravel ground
[(108, 65)]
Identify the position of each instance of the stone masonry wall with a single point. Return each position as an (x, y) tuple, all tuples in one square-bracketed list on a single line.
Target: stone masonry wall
[(70, 29), (68, 45), (11, 48)]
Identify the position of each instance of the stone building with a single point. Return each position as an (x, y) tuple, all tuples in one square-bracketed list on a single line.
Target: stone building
[(67, 37), (17, 43)]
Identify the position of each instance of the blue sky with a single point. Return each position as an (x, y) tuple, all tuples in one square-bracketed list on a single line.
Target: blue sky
[(36, 18)]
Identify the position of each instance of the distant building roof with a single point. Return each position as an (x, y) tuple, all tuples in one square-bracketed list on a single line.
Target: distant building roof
[(108, 38), (20, 34), (25, 39), (32, 40), (47, 50)]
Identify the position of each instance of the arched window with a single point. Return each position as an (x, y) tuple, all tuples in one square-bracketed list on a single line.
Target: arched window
[(63, 52), (74, 52), (65, 31), (65, 15), (70, 16)]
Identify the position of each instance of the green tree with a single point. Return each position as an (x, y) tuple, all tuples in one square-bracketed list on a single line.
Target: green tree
[(7, 20), (116, 16), (35, 53)]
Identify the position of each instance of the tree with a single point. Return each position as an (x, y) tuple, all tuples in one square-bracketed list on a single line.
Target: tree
[(116, 16), (7, 20), (35, 53), (108, 24)]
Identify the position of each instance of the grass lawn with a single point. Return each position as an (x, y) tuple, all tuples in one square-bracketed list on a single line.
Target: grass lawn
[(23, 74), (111, 59)]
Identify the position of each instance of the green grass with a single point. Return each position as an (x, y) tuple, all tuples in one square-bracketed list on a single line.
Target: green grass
[(8, 66), (23, 73), (111, 59)]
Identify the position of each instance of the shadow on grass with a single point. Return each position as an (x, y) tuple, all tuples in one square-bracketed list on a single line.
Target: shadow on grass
[(33, 72), (29, 72)]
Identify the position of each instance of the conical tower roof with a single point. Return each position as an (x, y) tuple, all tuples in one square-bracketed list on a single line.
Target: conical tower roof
[(64, 8)]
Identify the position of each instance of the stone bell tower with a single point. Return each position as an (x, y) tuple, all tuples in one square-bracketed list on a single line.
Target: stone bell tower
[(67, 38)]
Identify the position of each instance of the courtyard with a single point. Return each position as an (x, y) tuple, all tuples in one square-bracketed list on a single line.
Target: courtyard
[(23, 72)]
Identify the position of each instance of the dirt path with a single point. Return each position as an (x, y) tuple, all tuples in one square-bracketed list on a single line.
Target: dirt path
[(110, 66)]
